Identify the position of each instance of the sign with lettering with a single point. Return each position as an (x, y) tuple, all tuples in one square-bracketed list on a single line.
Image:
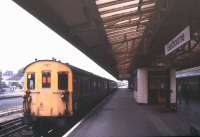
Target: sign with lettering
[(178, 41)]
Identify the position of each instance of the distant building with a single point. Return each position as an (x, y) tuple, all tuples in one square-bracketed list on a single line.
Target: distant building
[(12, 81), (3, 85), (0, 77), (1, 81), (16, 81), (6, 75)]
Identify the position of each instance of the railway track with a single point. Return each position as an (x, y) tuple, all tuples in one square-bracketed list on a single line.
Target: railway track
[(10, 111), (12, 126)]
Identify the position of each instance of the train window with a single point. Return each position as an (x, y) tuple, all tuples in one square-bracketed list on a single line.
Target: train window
[(79, 87), (88, 81), (99, 84), (46, 79), (94, 84), (105, 85), (75, 85), (91, 84), (31, 81), (82, 86), (62, 81)]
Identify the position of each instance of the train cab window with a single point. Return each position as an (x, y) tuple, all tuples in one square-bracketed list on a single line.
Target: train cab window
[(31, 81), (46, 79), (62, 81)]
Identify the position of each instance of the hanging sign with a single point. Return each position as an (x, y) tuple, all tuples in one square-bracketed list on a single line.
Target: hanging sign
[(178, 41)]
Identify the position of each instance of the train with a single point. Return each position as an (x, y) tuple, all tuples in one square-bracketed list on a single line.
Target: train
[(56, 91), (190, 77)]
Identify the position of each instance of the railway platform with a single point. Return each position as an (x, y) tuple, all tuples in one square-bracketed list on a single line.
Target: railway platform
[(121, 116)]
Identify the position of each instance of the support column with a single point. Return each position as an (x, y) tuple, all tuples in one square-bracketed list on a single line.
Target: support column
[(142, 86)]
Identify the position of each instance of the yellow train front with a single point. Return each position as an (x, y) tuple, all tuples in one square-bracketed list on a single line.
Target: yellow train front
[(54, 90)]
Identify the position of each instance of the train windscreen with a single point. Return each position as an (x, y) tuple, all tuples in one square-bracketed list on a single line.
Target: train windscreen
[(46, 79)]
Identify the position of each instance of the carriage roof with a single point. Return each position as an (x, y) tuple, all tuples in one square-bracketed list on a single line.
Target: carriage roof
[(73, 68)]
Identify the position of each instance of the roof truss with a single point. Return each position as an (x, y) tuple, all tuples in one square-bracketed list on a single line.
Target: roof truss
[(124, 22)]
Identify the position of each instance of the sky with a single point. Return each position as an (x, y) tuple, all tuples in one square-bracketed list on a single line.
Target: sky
[(24, 38)]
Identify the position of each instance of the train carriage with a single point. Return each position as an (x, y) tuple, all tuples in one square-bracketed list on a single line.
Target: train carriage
[(54, 89)]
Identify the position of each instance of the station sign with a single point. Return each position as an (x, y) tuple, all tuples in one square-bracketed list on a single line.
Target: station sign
[(178, 41)]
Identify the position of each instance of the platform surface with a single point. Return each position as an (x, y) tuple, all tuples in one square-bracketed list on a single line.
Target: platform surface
[(121, 116)]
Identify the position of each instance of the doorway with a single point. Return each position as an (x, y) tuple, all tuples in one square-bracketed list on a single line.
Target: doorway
[(158, 83)]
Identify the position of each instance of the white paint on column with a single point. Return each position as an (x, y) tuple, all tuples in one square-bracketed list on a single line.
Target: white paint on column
[(173, 85), (142, 89)]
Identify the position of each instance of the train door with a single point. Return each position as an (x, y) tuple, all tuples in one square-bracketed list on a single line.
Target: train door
[(76, 87), (63, 85), (158, 84), (30, 87), (31, 81)]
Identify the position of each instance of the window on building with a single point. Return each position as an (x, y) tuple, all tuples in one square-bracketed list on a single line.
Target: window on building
[(62, 81), (46, 79), (31, 81)]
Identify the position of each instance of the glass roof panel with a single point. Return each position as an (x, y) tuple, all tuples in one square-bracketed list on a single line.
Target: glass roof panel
[(119, 12), (143, 21), (130, 20), (124, 23), (124, 31), (103, 1), (122, 35), (119, 5), (148, 5), (146, 0), (121, 29)]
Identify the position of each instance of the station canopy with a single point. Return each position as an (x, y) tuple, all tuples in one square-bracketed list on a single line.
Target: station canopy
[(119, 35), (124, 22)]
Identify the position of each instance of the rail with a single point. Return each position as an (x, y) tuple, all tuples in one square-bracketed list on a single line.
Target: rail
[(9, 127), (11, 111)]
